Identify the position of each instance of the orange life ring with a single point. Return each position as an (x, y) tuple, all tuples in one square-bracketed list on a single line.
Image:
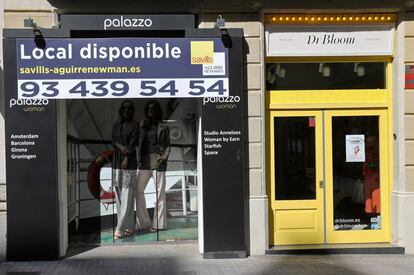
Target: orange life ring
[(94, 182)]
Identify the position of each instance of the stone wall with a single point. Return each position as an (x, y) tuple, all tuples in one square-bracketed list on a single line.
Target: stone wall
[(409, 106), (405, 195), (13, 15)]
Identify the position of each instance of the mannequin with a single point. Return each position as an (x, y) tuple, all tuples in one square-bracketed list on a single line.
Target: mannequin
[(125, 133), (153, 152)]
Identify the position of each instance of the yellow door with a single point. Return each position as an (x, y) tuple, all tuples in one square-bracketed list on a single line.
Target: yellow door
[(329, 173), (357, 178), (296, 189)]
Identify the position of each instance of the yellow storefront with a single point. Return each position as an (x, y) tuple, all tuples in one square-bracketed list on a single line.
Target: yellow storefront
[(329, 127)]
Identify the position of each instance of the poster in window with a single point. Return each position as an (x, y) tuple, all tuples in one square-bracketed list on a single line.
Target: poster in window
[(355, 148)]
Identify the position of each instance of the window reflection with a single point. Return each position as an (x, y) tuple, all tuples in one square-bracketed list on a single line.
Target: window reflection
[(295, 158), (356, 174), (322, 76), (92, 212)]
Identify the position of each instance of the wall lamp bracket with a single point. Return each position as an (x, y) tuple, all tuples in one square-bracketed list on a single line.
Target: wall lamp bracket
[(220, 22), (29, 23), (38, 36)]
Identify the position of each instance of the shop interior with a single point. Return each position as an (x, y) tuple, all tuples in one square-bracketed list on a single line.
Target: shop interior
[(92, 208), (325, 75)]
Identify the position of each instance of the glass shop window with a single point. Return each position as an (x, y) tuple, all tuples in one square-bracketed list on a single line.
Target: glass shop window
[(325, 76)]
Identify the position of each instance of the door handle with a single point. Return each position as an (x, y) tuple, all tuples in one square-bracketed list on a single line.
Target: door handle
[(321, 184)]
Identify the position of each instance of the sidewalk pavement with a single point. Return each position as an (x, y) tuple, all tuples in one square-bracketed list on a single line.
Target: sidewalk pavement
[(184, 259)]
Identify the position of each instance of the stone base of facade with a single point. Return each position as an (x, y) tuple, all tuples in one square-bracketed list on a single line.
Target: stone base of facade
[(402, 204), (258, 220)]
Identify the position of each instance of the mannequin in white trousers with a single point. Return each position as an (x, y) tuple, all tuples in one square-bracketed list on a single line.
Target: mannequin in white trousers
[(160, 214), (152, 155)]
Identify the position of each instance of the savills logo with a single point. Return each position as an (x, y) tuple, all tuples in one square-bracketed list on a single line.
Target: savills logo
[(202, 52), (202, 60)]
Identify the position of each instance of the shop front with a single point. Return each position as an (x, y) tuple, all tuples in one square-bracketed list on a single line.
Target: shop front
[(301, 134), (111, 103), (329, 127)]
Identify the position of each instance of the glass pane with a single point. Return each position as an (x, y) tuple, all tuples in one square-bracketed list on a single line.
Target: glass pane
[(104, 205), (182, 193), (356, 175), (323, 76), (90, 215), (295, 158)]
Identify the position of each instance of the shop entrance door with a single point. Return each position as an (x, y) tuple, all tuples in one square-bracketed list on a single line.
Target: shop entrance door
[(329, 176)]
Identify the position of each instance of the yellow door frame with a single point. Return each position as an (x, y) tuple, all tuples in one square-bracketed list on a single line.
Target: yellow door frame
[(379, 100)]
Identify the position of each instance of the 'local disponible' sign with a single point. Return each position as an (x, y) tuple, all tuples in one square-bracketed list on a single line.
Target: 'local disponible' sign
[(329, 40), (122, 67)]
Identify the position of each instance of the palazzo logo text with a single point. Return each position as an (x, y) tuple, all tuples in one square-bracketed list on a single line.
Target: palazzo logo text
[(125, 22)]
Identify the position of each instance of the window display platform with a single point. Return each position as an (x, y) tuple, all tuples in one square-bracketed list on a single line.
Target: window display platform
[(179, 228)]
